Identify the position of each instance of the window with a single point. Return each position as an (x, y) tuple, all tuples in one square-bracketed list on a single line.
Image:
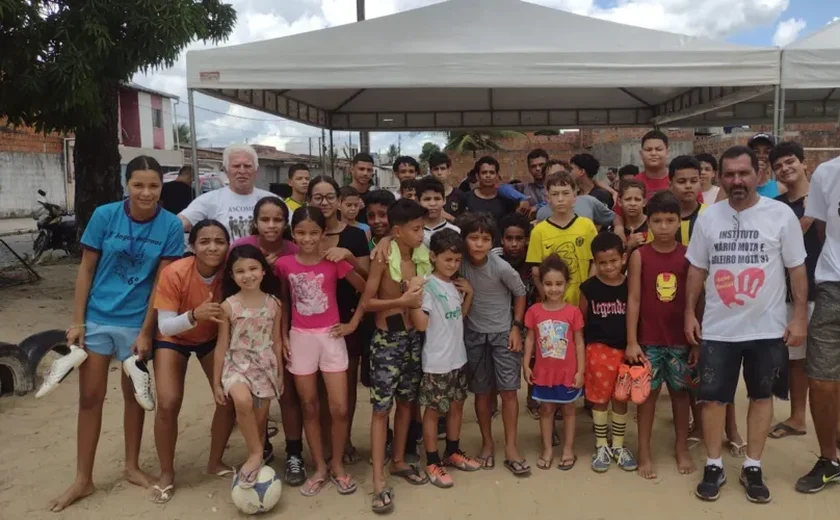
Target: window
[(157, 118)]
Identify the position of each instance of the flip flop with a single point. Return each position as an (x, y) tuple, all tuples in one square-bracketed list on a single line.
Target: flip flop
[(226, 473), (313, 486), (247, 481), (534, 413), (386, 497), (782, 430), (408, 473), (544, 464), (488, 462), (565, 465), (162, 495), (518, 467), (737, 450), (345, 485), (271, 431), (351, 456)]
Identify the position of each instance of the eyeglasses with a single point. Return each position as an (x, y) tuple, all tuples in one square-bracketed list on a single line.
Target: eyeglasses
[(319, 199)]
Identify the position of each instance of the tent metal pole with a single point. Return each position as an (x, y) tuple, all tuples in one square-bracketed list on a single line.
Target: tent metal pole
[(331, 155), (364, 137), (776, 112), (781, 136), (193, 145)]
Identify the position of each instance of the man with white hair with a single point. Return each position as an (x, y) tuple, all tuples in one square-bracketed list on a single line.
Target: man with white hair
[(232, 205)]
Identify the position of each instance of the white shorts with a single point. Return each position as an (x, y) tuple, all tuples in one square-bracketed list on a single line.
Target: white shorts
[(798, 353)]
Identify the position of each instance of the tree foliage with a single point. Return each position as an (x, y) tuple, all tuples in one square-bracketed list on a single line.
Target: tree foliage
[(62, 62), (181, 134), (486, 141)]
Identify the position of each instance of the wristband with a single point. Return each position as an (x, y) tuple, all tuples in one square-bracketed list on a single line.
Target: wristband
[(519, 324)]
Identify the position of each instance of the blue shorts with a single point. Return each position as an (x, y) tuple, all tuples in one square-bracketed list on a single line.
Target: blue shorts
[(107, 340), (558, 394)]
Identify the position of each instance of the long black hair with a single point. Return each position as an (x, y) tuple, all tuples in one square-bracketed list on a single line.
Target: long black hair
[(270, 283), (205, 223), (143, 162)]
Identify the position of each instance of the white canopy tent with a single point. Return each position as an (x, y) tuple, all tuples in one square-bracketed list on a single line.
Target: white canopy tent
[(811, 76), (497, 63)]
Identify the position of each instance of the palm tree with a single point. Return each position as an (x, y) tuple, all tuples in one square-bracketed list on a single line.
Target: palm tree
[(428, 149), (486, 141), (181, 134)]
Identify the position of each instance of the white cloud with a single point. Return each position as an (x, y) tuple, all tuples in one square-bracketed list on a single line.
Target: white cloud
[(834, 19), (788, 31), (264, 19)]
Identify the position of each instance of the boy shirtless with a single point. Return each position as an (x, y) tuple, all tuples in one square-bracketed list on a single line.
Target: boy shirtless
[(394, 287)]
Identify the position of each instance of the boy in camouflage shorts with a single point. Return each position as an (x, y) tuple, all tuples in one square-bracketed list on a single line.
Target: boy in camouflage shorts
[(395, 287), (443, 388)]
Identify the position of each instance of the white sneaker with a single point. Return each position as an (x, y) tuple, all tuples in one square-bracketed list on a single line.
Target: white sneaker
[(60, 369), (136, 370)]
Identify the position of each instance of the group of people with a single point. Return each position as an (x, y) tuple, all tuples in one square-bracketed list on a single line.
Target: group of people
[(602, 291)]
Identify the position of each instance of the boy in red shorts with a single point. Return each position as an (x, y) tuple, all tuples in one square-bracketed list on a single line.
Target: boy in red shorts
[(603, 303), (656, 280)]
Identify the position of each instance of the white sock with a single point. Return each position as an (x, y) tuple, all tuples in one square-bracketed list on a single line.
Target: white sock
[(750, 463), (715, 462)]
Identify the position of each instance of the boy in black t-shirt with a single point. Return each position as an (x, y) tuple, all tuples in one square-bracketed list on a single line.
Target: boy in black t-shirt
[(603, 302)]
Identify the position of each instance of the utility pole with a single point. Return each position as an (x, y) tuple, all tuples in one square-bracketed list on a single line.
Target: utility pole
[(364, 137)]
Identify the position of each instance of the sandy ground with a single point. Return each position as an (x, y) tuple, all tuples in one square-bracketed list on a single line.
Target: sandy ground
[(37, 459)]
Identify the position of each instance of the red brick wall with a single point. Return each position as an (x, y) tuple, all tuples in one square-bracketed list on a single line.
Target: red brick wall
[(25, 139)]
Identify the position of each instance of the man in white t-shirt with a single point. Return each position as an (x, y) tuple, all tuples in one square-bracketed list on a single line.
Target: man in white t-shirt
[(822, 357), (741, 250), (232, 205)]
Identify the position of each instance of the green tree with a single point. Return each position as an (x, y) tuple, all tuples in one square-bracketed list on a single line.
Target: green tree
[(181, 134), (428, 149), (486, 141), (393, 152), (62, 63)]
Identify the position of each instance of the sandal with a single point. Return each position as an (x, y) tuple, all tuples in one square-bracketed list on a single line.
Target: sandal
[(782, 430), (737, 450), (544, 464), (488, 462), (226, 473), (345, 485), (386, 498), (565, 465), (518, 467), (246, 480), (313, 486), (162, 495), (534, 413), (351, 456), (412, 476)]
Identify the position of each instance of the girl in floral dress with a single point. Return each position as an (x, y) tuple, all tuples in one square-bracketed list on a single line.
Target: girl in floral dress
[(249, 361)]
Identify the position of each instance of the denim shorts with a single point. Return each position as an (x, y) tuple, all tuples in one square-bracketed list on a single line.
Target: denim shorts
[(765, 364), (108, 340)]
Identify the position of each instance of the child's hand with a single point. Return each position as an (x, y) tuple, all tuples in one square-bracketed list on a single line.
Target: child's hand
[(635, 240), (339, 330), (515, 340), (578, 380), (413, 297), (271, 258), (281, 387), (416, 281), (219, 396), (287, 349), (76, 336), (693, 356), (692, 330), (209, 310), (381, 251), (527, 373), (634, 353), (337, 254), (463, 286)]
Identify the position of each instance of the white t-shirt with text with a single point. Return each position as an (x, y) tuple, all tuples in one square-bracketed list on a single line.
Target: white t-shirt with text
[(823, 203), (234, 211), (444, 349), (746, 255)]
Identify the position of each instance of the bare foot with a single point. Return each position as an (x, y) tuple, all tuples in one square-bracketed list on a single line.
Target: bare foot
[(684, 463), (75, 492), (487, 450), (138, 477), (646, 469)]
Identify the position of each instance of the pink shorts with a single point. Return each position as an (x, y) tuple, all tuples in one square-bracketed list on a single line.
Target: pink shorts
[(313, 350)]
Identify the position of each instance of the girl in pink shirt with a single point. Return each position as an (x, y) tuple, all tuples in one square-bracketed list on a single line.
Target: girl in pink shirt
[(271, 216), (316, 343), (555, 332)]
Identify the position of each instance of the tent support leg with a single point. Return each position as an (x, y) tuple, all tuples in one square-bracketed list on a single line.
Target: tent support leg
[(331, 155), (776, 112), (781, 136), (193, 145)]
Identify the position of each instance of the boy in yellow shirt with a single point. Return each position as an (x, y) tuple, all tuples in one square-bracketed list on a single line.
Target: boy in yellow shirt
[(684, 178), (564, 233)]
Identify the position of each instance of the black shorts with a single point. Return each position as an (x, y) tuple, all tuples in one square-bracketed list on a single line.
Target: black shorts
[(200, 350), (765, 364)]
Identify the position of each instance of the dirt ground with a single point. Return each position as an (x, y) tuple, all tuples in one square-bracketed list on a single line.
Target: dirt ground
[(37, 459)]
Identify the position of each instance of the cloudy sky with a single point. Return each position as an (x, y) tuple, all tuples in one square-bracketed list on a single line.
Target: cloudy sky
[(754, 22)]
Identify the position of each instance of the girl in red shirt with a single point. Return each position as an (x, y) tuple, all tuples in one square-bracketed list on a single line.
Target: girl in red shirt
[(556, 329)]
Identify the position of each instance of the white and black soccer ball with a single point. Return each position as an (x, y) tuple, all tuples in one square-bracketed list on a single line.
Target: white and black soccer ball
[(262, 497)]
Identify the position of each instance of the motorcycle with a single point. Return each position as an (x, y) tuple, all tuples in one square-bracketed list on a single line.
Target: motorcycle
[(56, 229)]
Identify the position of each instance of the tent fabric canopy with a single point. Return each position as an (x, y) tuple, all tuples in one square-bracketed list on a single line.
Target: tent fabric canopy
[(814, 61), (461, 63)]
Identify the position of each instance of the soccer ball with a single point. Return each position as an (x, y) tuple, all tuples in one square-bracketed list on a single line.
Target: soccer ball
[(262, 497)]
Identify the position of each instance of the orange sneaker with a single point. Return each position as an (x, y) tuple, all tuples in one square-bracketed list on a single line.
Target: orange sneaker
[(438, 476), (641, 382), (623, 383), (460, 461)]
